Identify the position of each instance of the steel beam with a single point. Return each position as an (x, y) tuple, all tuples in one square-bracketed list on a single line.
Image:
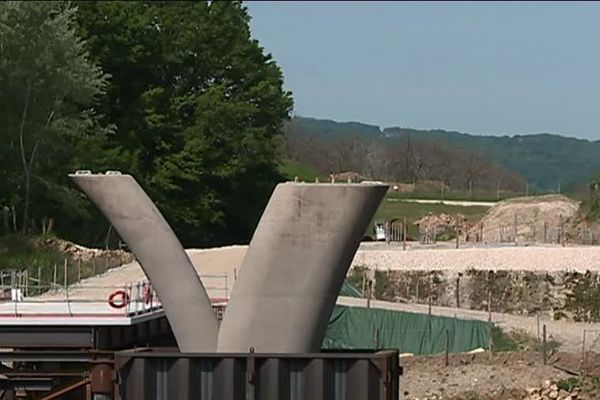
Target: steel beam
[(141, 225), (295, 266)]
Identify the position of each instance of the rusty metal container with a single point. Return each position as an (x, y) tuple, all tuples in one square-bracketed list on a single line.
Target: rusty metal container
[(160, 375)]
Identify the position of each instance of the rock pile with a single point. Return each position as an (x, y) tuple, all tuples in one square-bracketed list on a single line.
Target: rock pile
[(550, 391), (441, 222), (78, 252)]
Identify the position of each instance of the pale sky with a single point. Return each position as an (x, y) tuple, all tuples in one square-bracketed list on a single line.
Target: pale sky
[(483, 68)]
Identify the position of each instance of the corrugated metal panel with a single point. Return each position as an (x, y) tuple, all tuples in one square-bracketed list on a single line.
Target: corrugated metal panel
[(156, 375)]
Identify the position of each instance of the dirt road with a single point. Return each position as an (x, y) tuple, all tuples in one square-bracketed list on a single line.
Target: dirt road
[(498, 376)]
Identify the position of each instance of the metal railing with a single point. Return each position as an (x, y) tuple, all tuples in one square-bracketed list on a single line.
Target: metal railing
[(55, 300), (21, 295)]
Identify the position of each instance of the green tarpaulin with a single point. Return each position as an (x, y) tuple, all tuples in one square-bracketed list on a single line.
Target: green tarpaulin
[(354, 328), (349, 290)]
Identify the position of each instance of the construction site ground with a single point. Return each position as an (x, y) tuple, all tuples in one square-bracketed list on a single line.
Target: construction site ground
[(468, 376), (491, 376), (219, 267)]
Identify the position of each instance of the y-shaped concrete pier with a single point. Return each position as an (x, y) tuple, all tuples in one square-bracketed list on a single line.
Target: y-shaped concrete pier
[(289, 279)]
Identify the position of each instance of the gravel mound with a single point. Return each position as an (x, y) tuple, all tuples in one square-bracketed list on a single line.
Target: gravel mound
[(537, 218)]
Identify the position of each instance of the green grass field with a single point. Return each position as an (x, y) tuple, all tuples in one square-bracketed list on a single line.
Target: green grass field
[(457, 195), (291, 169)]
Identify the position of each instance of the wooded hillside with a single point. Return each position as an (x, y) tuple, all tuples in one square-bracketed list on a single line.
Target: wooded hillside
[(333, 148)]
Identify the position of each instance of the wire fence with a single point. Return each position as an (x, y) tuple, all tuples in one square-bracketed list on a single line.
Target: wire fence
[(518, 230)]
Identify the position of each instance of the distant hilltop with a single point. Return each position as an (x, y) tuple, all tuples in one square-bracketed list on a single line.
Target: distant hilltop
[(547, 162)]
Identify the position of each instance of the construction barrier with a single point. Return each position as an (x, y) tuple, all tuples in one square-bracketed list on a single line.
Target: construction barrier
[(353, 328)]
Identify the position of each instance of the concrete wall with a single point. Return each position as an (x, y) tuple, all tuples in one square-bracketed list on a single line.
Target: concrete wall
[(141, 225), (295, 266)]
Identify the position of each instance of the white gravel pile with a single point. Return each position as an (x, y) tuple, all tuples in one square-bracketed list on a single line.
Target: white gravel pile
[(532, 258)]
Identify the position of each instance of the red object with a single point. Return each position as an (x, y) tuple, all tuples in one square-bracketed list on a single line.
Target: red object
[(147, 294), (124, 299)]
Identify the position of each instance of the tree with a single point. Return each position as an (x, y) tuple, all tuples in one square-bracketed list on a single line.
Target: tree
[(199, 109), (48, 89)]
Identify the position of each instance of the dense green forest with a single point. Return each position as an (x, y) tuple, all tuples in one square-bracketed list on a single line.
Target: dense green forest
[(544, 161), (176, 93)]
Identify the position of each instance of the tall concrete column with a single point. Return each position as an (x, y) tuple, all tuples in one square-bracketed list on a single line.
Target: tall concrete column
[(295, 266), (141, 225)]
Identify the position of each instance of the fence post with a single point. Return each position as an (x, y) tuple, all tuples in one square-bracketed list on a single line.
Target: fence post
[(545, 232), (458, 290), (404, 231), (94, 264), (544, 344), (515, 229), (429, 292), (371, 278), (560, 227), (417, 288), (457, 235), (66, 277), (447, 348), (490, 298), (39, 274), (490, 341), (14, 290), (581, 364), (79, 269), (369, 284), (54, 276)]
